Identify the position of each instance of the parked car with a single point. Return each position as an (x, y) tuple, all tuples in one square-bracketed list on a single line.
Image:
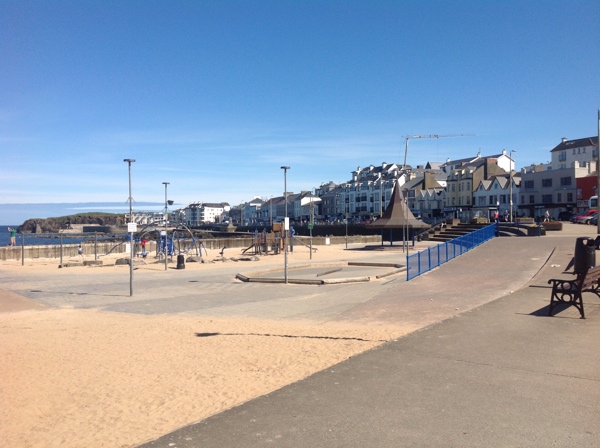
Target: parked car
[(586, 218), (593, 220), (582, 215), (565, 216)]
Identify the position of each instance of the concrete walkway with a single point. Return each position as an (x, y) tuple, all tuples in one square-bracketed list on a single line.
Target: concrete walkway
[(488, 369)]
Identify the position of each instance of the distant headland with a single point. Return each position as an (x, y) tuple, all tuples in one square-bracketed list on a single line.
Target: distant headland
[(65, 223)]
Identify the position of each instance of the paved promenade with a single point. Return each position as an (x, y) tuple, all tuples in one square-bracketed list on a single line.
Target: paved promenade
[(486, 368), (501, 375)]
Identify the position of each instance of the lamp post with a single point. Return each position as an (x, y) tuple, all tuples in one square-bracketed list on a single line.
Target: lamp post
[(381, 197), (346, 207), (285, 223), (131, 226), (166, 215), (510, 184), (598, 166)]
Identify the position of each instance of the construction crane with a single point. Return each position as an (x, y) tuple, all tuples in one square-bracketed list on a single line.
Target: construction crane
[(408, 137)]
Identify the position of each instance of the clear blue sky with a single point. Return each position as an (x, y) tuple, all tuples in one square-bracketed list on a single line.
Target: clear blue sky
[(214, 96)]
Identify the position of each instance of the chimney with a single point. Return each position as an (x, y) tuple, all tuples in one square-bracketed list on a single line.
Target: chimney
[(429, 180), (564, 139)]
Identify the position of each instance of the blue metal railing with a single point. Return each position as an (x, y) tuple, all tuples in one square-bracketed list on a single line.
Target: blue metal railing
[(426, 260)]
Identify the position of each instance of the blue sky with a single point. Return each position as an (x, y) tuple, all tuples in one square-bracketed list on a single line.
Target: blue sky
[(215, 96)]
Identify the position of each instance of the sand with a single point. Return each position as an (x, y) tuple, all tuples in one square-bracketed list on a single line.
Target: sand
[(75, 378)]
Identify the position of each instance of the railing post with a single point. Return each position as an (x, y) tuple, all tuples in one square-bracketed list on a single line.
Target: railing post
[(429, 258)]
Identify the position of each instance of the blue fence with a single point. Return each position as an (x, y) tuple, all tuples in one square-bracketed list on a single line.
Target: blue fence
[(426, 260)]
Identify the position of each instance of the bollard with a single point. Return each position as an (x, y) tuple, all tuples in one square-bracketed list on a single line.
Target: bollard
[(180, 262)]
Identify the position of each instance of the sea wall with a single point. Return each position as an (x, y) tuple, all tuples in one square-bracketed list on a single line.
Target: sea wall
[(101, 248)]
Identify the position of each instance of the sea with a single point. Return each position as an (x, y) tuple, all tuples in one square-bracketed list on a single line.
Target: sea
[(22, 212), (32, 240)]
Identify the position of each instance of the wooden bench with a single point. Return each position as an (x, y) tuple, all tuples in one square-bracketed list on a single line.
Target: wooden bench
[(570, 292)]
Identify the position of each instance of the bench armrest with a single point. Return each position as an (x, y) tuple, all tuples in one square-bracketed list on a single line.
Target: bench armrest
[(565, 285)]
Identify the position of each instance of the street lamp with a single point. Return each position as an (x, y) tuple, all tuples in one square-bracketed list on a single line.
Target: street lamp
[(381, 196), (347, 206), (131, 227), (285, 223), (166, 215), (510, 184)]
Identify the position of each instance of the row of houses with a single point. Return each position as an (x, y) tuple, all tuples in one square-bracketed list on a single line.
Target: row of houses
[(465, 188)]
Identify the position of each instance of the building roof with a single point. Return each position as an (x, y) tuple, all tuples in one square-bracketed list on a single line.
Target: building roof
[(577, 143)]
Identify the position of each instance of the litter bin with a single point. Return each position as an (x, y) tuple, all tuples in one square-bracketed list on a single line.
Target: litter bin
[(180, 262), (585, 254)]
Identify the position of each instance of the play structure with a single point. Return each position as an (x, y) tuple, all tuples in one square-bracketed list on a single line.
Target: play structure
[(181, 241), (264, 243)]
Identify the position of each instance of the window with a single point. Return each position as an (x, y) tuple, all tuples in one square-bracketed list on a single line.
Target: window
[(562, 156), (523, 199), (565, 181), (528, 184), (481, 200), (546, 183), (569, 197), (532, 199), (547, 199), (502, 199)]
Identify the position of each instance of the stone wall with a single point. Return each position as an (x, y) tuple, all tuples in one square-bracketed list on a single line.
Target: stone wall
[(70, 250)]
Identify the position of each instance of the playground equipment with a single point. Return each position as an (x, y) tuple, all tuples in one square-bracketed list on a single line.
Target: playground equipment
[(166, 243)]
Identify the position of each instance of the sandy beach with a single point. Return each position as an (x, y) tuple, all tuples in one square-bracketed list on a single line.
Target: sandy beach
[(86, 377)]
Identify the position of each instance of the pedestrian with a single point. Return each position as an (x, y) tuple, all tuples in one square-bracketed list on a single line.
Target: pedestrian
[(143, 247), (13, 236), (547, 217), (80, 251)]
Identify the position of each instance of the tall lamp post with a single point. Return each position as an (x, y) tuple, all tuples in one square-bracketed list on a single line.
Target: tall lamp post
[(598, 166), (131, 227), (166, 215), (510, 184), (285, 223), (346, 207)]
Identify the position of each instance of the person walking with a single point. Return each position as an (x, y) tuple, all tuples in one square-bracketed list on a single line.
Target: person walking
[(143, 242)]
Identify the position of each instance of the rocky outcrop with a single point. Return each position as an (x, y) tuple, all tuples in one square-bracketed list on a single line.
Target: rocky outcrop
[(51, 225)]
